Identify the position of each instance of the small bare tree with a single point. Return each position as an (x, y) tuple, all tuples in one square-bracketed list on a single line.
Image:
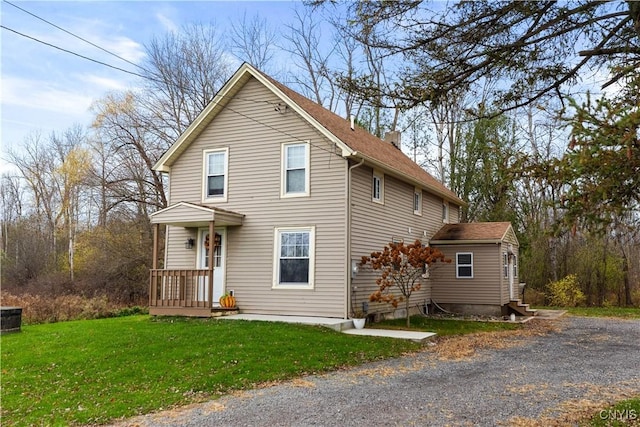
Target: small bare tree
[(402, 267)]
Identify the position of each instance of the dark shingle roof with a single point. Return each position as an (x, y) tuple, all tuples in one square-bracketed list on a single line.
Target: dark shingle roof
[(363, 142), (485, 231)]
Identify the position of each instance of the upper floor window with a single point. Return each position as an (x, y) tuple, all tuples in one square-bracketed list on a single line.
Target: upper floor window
[(377, 194), (295, 170), (464, 265), (216, 174), (417, 201)]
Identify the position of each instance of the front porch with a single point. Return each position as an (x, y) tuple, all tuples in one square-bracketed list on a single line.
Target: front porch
[(189, 291)]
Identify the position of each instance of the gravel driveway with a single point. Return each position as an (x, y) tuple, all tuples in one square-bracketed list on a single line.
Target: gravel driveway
[(544, 381)]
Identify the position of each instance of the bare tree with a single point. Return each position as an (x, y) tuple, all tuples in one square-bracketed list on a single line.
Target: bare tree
[(184, 72), (311, 57), (253, 41)]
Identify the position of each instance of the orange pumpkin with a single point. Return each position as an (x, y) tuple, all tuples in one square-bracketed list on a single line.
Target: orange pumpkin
[(227, 301)]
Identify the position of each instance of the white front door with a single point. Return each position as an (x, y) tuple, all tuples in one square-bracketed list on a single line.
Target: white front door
[(219, 255)]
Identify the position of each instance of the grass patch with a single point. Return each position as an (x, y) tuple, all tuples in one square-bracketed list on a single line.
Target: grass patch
[(447, 327), (94, 371), (621, 312), (624, 413)]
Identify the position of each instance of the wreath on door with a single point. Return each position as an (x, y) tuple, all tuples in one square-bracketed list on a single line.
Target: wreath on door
[(217, 241)]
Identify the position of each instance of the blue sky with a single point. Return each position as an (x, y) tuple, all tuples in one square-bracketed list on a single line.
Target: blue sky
[(45, 89)]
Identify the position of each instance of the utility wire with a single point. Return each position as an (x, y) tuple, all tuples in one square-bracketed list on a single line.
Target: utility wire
[(74, 53), (75, 35), (138, 66), (295, 138), (150, 78)]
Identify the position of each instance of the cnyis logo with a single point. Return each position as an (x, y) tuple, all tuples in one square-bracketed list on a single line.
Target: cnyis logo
[(619, 414)]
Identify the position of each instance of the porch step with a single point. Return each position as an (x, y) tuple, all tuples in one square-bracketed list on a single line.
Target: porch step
[(224, 311), (522, 309)]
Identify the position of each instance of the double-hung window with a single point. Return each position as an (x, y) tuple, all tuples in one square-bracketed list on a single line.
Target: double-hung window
[(515, 266), (464, 265), (294, 257), (295, 170), (377, 186), (216, 174)]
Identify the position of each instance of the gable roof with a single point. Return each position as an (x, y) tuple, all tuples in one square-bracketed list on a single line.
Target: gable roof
[(185, 214), (356, 143), (479, 232)]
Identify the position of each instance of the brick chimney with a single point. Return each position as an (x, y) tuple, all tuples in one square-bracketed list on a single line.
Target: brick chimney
[(393, 136)]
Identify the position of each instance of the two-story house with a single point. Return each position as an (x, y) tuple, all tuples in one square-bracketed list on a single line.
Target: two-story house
[(294, 196)]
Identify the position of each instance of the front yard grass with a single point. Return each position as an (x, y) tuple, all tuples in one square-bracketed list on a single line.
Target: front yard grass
[(620, 312), (447, 327), (95, 371)]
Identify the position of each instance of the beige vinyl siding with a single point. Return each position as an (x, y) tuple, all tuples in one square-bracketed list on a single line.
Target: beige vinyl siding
[(254, 190), (454, 213), (373, 225), (484, 288), (177, 256)]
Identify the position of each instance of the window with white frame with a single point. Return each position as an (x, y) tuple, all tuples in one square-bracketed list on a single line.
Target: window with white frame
[(505, 265), (216, 174), (377, 194), (515, 266), (294, 257), (295, 170), (417, 201), (464, 265)]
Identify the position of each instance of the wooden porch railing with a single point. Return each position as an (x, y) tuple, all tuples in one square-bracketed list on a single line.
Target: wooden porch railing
[(180, 288)]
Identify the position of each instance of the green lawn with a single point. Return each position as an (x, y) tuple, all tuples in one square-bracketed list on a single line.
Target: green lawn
[(621, 312), (445, 327), (93, 371)]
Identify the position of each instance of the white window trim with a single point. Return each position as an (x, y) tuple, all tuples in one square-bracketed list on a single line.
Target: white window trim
[(283, 171), (515, 265), (505, 265), (380, 177), (205, 158), (445, 212), (417, 192), (276, 257), (458, 265)]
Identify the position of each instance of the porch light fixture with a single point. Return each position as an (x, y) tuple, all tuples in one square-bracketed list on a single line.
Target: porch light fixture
[(189, 243)]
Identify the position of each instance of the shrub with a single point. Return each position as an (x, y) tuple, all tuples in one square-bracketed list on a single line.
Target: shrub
[(565, 292), (50, 309)]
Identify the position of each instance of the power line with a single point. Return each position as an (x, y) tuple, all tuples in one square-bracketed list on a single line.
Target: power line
[(75, 35), (280, 131), (74, 53)]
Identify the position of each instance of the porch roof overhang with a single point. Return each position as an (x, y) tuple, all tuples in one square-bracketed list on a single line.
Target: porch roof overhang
[(185, 214)]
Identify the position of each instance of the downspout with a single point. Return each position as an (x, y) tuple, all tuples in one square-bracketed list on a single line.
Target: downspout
[(347, 289)]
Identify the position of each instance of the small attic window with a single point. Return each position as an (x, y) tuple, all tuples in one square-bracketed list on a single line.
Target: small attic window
[(377, 184)]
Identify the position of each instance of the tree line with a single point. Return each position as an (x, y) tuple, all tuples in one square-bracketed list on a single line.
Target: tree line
[(499, 117)]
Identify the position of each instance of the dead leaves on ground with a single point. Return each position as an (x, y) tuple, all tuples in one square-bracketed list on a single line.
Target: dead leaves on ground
[(466, 346), (578, 411)]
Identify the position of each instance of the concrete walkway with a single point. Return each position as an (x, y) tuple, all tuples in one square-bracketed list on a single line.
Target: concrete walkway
[(340, 325), (405, 335)]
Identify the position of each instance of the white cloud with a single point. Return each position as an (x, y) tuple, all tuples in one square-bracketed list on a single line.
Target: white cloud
[(102, 84), (42, 95), (167, 23)]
